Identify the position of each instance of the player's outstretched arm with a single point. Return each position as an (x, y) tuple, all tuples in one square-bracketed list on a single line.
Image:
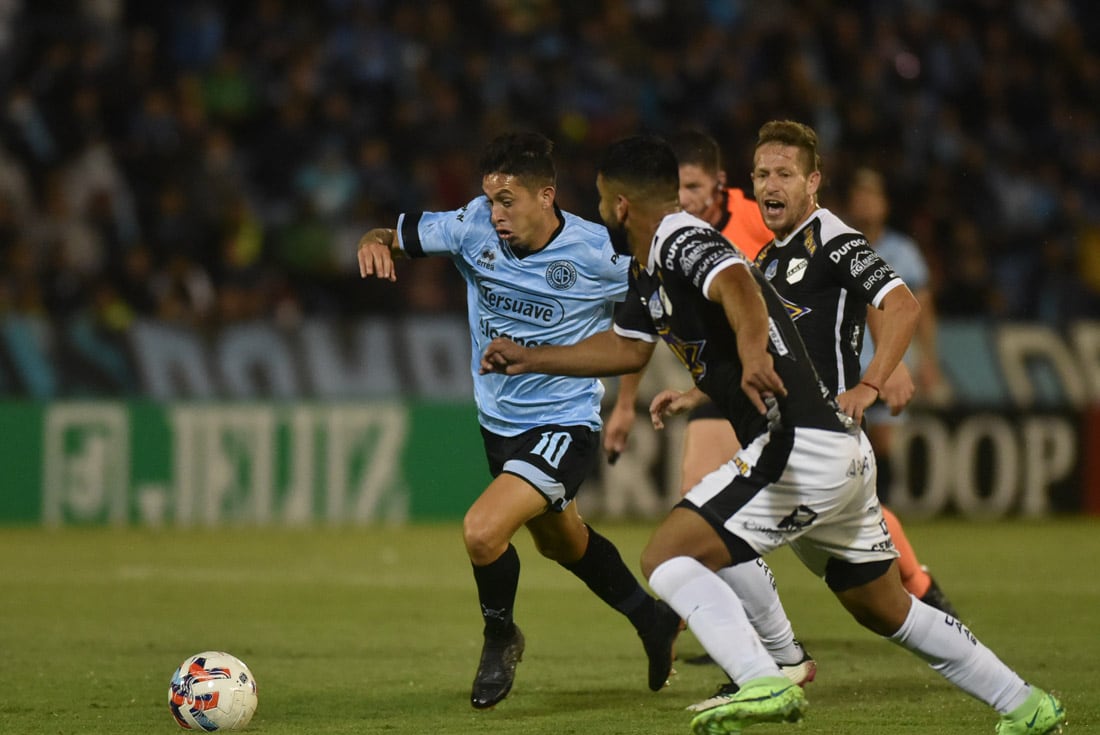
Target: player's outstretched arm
[(600, 355), (736, 290), (377, 250)]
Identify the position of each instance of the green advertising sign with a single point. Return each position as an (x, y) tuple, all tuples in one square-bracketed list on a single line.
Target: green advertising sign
[(204, 464)]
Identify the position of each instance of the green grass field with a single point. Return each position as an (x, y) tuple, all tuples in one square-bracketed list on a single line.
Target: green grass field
[(377, 631)]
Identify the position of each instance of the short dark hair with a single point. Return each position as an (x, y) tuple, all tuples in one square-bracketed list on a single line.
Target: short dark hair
[(527, 156), (696, 148), (645, 163), (789, 132)]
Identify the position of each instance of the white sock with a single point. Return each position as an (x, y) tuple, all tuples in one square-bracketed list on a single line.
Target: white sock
[(754, 583), (716, 617), (952, 650)]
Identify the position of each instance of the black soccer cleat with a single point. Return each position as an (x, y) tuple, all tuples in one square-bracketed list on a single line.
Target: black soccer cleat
[(658, 642), (497, 669), (937, 599)]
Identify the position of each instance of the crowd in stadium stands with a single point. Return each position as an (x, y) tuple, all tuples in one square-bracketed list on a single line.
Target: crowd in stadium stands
[(208, 162)]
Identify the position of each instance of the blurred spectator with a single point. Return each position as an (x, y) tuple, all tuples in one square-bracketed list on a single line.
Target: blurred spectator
[(184, 292), (968, 289), (237, 145)]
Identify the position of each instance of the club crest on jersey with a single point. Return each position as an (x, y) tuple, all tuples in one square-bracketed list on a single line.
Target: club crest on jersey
[(796, 269), (487, 259), (561, 274), (773, 267)]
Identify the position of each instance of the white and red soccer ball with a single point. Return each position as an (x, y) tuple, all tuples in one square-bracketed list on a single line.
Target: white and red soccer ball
[(212, 691)]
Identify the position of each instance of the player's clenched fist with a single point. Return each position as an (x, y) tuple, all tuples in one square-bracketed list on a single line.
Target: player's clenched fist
[(504, 356)]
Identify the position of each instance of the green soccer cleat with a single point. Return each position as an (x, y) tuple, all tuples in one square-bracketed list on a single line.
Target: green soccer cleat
[(767, 699), (801, 673), (1040, 714)]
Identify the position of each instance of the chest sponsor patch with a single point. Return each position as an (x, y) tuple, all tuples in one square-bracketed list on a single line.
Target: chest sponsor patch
[(514, 303)]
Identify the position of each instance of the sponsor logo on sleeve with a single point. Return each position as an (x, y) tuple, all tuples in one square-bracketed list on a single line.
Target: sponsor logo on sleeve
[(882, 273), (840, 252), (710, 260), (690, 258), (673, 247), (862, 263)]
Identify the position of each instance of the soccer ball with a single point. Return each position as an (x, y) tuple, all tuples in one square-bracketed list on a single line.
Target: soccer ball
[(212, 690)]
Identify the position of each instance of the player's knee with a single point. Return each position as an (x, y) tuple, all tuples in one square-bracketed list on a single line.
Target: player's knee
[(652, 557), (483, 542), (871, 592)]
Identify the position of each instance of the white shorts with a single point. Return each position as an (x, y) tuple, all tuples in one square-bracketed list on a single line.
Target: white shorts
[(813, 490)]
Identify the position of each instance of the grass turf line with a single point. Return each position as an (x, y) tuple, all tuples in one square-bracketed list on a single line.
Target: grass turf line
[(377, 631)]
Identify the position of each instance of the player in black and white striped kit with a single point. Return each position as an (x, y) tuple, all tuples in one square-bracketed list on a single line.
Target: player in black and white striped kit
[(836, 282), (805, 476), (828, 275)]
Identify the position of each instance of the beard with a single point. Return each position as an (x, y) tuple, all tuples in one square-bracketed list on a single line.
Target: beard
[(619, 242)]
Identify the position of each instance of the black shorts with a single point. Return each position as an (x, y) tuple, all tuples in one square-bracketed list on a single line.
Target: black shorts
[(707, 410), (554, 459)]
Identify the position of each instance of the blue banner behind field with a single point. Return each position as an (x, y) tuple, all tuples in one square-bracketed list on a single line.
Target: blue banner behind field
[(988, 364)]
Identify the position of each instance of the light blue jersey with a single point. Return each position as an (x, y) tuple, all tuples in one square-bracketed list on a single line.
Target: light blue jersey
[(904, 256), (558, 295)]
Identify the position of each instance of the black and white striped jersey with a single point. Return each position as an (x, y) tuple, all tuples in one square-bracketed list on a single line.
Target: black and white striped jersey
[(667, 300), (828, 274)]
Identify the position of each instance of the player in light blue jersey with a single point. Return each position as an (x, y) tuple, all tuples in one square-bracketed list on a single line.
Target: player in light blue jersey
[(557, 294), (536, 275)]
